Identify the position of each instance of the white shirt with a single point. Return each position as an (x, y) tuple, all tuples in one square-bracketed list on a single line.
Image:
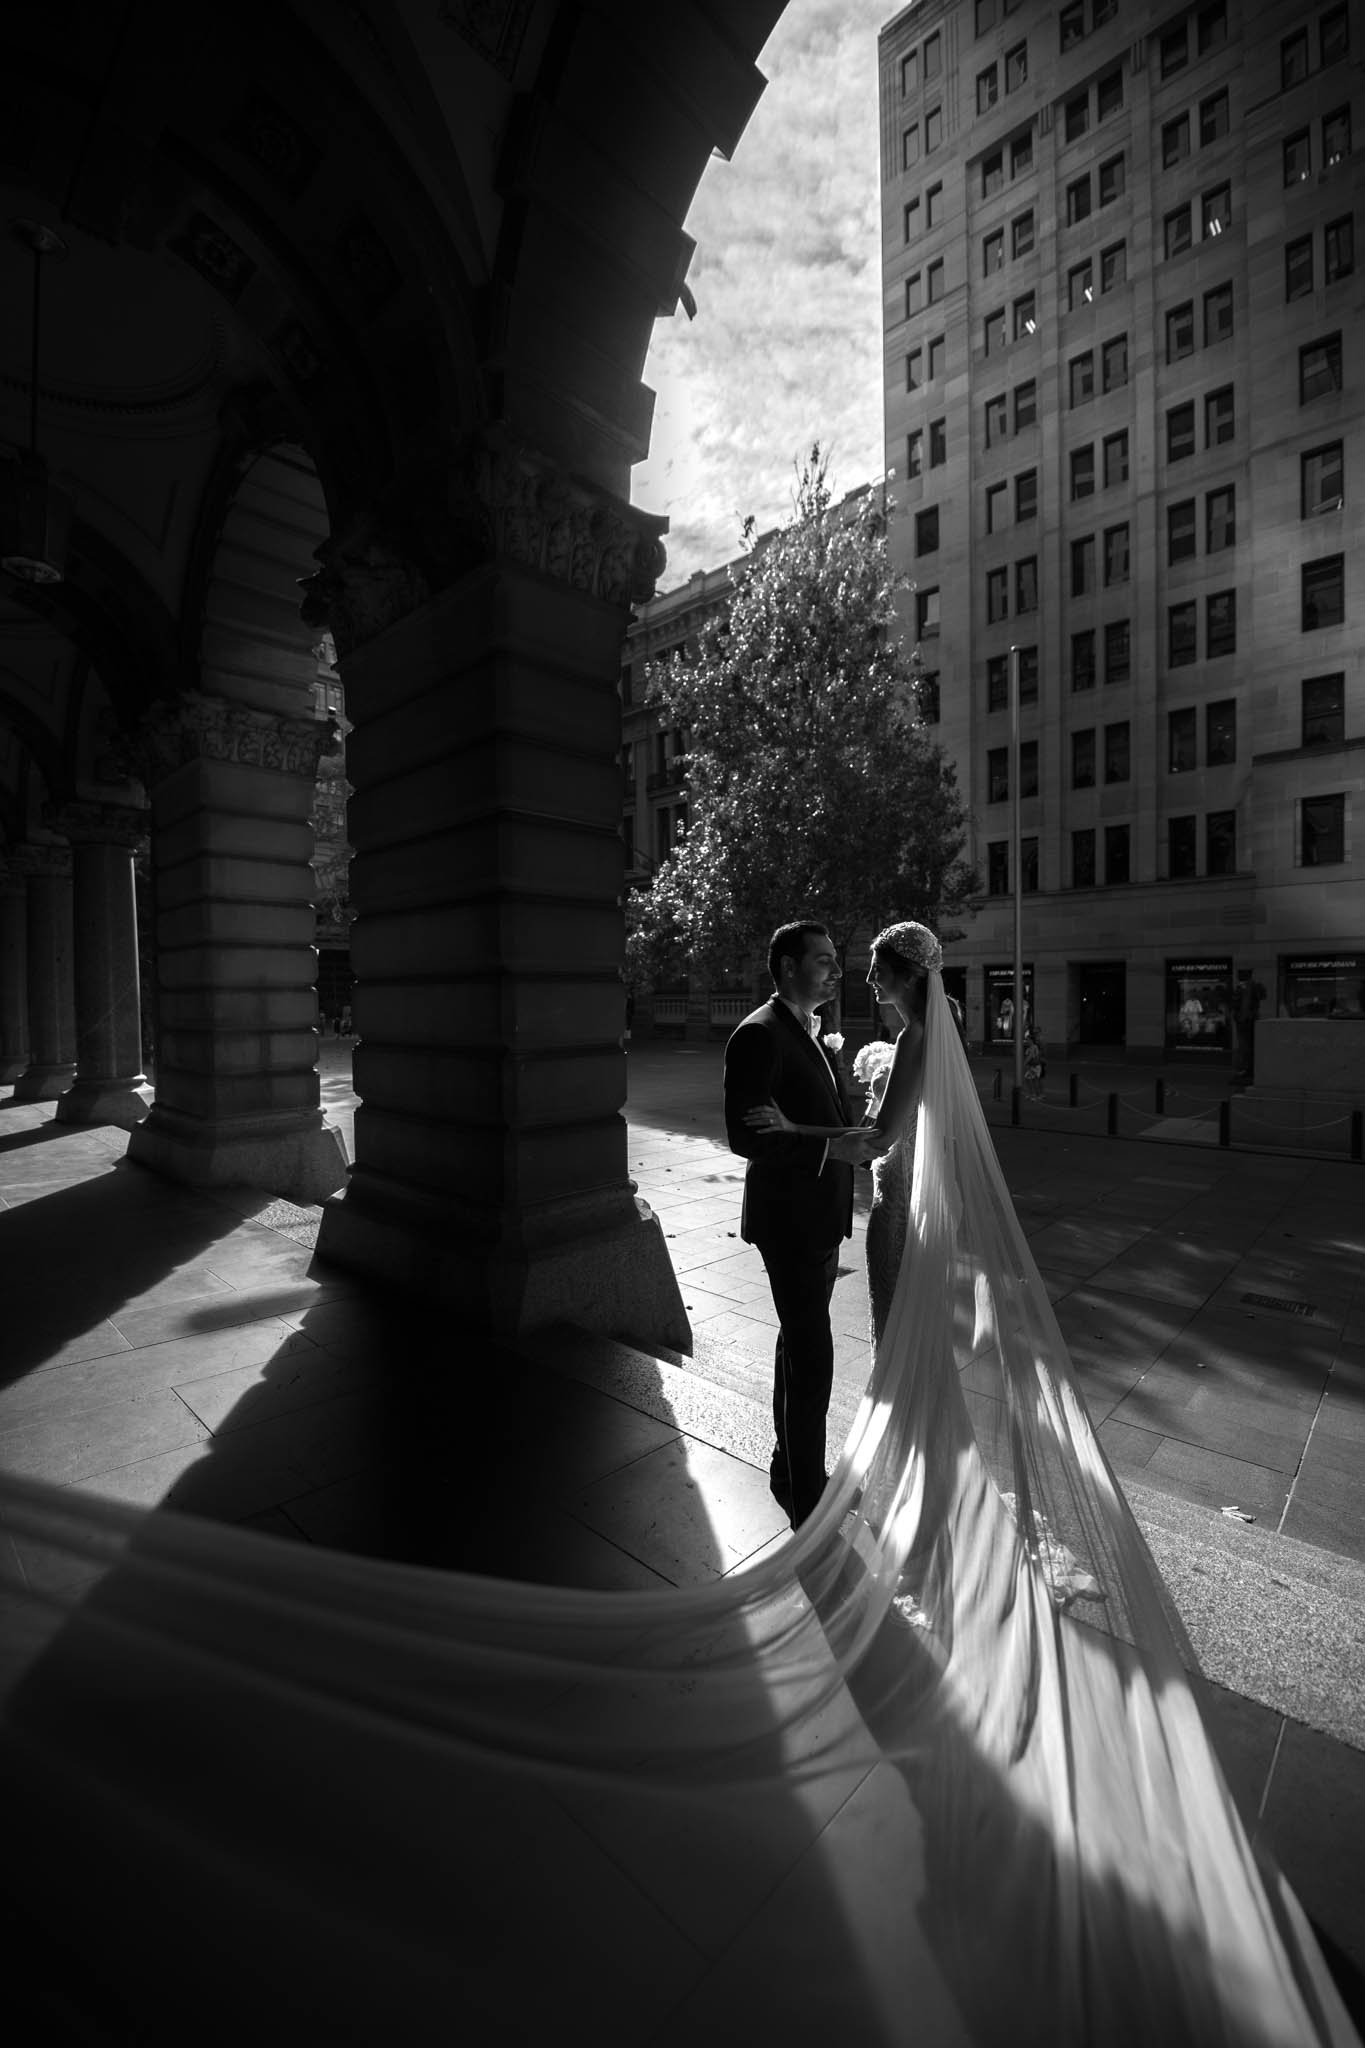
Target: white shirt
[(811, 1023)]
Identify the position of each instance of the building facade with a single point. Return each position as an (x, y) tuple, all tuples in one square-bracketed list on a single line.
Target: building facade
[(1125, 421)]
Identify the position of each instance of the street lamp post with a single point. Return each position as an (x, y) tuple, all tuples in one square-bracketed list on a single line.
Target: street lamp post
[(1017, 860)]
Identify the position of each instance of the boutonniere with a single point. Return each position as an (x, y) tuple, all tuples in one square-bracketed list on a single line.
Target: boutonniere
[(833, 1041)]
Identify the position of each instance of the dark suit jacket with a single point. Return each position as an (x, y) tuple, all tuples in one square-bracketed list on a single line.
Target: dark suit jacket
[(790, 1201)]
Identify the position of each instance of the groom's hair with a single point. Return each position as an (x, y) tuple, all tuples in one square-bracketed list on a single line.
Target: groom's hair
[(789, 943)]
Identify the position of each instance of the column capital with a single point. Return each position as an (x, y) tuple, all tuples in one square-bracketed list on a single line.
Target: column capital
[(200, 727), (545, 518), (96, 823), (38, 858)]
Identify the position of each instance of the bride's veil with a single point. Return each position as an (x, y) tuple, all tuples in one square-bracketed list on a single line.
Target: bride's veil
[(933, 1769)]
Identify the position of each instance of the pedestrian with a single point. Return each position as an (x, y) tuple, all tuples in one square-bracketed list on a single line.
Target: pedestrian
[(1035, 1064)]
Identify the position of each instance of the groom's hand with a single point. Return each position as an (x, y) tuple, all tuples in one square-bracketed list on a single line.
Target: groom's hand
[(853, 1148)]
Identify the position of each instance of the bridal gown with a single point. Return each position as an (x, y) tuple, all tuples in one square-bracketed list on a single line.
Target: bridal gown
[(931, 1771)]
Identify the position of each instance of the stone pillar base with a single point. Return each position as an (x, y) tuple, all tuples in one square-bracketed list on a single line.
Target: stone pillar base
[(300, 1158), (105, 1102), (44, 1084), (617, 1282), (10, 1070)]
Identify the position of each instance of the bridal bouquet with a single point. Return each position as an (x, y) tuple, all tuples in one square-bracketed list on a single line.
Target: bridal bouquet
[(871, 1066)]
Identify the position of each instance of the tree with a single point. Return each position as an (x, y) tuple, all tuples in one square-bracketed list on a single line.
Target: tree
[(814, 788)]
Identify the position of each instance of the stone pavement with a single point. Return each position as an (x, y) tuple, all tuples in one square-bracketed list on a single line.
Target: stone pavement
[(167, 1346)]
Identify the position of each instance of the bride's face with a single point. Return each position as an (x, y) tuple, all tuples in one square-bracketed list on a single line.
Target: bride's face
[(886, 984)]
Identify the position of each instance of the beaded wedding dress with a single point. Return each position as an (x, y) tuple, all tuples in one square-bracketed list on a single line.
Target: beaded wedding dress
[(930, 1771)]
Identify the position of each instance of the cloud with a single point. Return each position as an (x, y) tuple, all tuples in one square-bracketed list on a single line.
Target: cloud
[(786, 348)]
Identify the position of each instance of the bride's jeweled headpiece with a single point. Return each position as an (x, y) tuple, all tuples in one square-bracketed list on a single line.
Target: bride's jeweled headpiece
[(914, 943)]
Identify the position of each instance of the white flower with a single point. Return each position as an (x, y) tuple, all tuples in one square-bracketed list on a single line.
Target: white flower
[(834, 1040), (873, 1062)]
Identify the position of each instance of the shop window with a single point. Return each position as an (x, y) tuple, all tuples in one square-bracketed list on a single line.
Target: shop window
[(1083, 660), (1298, 268), (1322, 831), (1182, 741), (1220, 624), (1220, 520), (1339, 249), (1021, 234), (1214, 118), (1325, 985), (1319, 368), (996, 507), (997, 596), (1180, 531), (1321, 481), (1294, 59), (1026, 585), (1220, 423), (1115, 363), (1176, 232), (1182, 627), (1175, 141), (926, 531), (1180, 846), (1323, 706), (998, 775), (1025, 404), (1217, 315), (1082, 473), (1026, 495), (1083, 758), (1117, 652), (1083, 566), (1117, 853), (1198, 1002), (1080, 286), (1111, 180), (938, 443), (1083, 859), (1180, 432), (1180, 332), (1117, 752), (998, 867), (1324, 592), (1298, 158), (1115, 554)]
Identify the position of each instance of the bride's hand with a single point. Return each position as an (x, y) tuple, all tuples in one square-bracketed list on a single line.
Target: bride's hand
[(768, 1118)]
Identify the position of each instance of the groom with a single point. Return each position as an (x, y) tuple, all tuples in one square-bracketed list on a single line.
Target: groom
[(798, 1192)]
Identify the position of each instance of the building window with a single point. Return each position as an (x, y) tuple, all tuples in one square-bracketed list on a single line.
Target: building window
[(1021, 154), (1220, 733), (1180, 845), (1111, 180), (1220, 520), (998, 867), (909, 72), (993, 252), (1182, 628), (1322, 826), (995, 332), (1077, 117), (1116, 853), (1113, 266), (1026, 494), (995, 507), (1298, 267), (1117, 752), (1176, 233), (1216, 211), (1082, 472), (997, 596), (914, 369), (1025, 316), (1025, 404), (1214, 120), (933, 207), (1217, 315), (910, 147), (912, 222), (1175, 141), (1321, 480), (1182, 741), (995, 421), (1298, 158), (914, 452), (1319, 368), (1116, 554), (914, 294), (1028, 768), (926, 614), (998, 683), (1083, 566), (1334, 38), (926, 531), (1083, 859), (1117, 653), (1026, 585), (1080, 286), (1220, 624), (1323, 701), (1324, 592), (1220, 843), (1336, 137), (933, 56), (1082, 377), (1180, 532), (1071, 26), (1180, 432), (1028, 675), (1078, 200), (1115, 459), (987, 88), (1016, 67), (1219, 422), (1213, 27), (936, 281), (1083, 660), (1180, 332), (938, 356), (1021, 234), (992, 173), (1175, 51), (1115, 363), (998, 775), (1083, 759), (1294, 59), (938, 443), (927, 696), (1339, 248), (986, 12), (1109, 94)]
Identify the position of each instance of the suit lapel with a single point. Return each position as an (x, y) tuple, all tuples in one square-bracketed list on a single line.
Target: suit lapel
[(815, 1051)]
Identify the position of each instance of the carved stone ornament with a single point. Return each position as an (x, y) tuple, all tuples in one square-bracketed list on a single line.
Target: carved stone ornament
[(362, 588), (197, 727), (37, 859), (551, 521), (98, 824)]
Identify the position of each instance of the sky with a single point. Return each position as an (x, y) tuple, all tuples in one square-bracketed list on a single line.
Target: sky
[(786, 348)]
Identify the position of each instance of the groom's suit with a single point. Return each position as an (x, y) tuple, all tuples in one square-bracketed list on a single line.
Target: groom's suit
[(798, 1205)]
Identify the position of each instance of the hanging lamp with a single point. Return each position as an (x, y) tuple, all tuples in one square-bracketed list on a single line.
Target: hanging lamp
[(34, 514)]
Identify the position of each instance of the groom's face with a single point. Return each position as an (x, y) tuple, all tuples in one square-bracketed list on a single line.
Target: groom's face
[(815, 976)]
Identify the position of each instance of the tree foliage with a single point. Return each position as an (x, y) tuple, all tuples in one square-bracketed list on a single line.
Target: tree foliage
[(814, 787)]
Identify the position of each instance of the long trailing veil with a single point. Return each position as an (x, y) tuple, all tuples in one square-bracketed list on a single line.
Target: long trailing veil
[(932, 1772)]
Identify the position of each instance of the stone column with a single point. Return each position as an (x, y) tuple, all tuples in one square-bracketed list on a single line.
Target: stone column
[(237, 1097), (103, 838), (51, 989), (488, 941), (13, 973)]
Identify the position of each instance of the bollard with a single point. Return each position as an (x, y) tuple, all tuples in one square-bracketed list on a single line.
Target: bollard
[(1225, 1124), (1016, 1100), (1073, 1089), (1160, 1095), (1111, 1121), (1358, 1134), (997, 1086)]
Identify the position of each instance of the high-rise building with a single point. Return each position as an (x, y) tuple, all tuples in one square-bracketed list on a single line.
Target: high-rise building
[(1126, 416)]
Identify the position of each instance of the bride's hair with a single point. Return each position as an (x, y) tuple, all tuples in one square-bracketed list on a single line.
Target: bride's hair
[(911, 970)]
